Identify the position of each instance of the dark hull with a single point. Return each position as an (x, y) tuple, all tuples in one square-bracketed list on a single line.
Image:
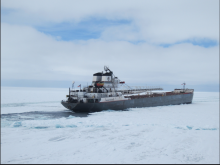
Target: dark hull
[(185, 98)]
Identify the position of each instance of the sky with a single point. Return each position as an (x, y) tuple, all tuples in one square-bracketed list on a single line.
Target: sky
[(51, 43)]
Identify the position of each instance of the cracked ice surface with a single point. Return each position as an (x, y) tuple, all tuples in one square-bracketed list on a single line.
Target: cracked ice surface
[(37, 129)]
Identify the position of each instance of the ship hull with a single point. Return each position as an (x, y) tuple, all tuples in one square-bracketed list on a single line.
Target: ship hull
[(185, 98)]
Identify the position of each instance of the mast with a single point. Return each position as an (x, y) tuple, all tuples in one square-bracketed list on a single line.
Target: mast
[(69, 94), (107, 69)]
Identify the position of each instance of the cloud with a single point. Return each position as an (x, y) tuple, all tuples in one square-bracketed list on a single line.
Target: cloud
[(158, 22), (143, 42), (30, 54)]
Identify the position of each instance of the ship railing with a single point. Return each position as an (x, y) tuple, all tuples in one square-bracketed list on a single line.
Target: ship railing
[(139, 89)]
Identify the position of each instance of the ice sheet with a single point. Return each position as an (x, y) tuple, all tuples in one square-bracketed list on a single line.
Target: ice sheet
[(18, 100), (42, 131)]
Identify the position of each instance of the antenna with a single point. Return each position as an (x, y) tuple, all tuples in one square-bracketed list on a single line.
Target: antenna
[(106, 68), (73, 84), (183, 86)]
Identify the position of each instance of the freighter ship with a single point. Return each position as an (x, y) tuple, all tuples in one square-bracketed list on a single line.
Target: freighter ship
[(104, 94)]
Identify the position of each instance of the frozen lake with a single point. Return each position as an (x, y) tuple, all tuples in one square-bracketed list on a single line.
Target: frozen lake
[(36, 128)]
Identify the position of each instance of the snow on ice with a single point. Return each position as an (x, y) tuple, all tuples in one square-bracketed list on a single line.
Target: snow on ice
[(35, 128)]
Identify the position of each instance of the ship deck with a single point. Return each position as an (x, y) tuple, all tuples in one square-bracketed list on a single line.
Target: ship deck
[(155, 95)]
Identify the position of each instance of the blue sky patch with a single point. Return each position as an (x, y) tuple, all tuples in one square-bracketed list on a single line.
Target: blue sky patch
[(84, 30), (5, 11), (205, 42)]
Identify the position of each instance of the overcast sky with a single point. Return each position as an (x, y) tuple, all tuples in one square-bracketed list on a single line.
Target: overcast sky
[(153, 42)]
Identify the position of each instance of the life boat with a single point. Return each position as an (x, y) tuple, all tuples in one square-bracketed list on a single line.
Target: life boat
[(99, 84)]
